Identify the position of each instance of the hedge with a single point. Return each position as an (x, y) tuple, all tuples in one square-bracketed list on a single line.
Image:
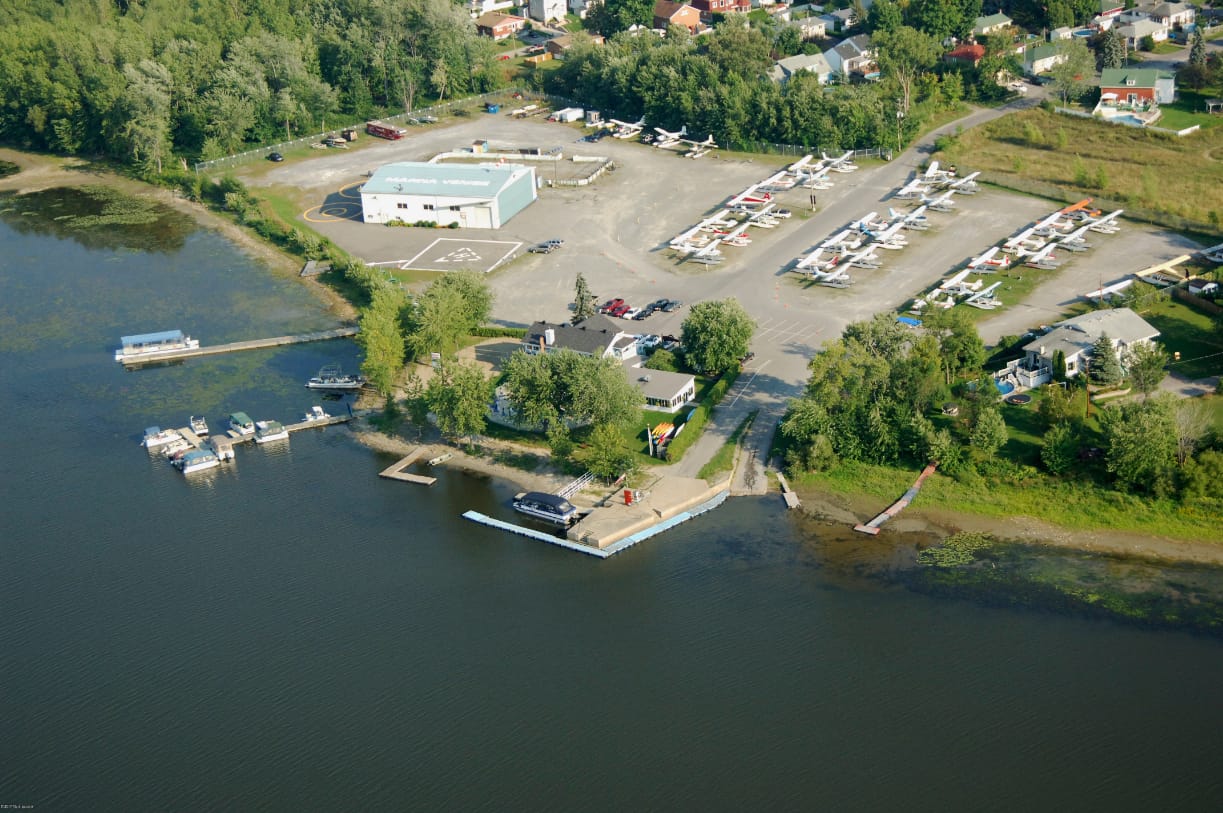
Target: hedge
[(696, 424)]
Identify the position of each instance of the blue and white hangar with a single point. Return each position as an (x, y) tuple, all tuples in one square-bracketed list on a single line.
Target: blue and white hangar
[(478, 196)]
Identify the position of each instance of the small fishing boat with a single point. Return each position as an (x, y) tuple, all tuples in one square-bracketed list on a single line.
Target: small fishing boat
[(315, 413), (155, 437), (548, 507), (332, 377), (195, 460), (199, 426), (268, 431), (241, 423)]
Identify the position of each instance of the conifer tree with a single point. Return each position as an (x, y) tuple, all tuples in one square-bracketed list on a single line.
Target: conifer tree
[(1105, 366)]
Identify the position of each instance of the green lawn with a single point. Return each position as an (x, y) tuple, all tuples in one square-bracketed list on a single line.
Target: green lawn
[(1192, 334), (1189, 109)]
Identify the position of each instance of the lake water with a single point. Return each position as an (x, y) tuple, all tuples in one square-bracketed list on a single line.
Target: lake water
[(292, 632)]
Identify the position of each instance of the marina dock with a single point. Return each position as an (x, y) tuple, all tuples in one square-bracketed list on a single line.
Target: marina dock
[(873, 526), (234, 347), (396, 471)]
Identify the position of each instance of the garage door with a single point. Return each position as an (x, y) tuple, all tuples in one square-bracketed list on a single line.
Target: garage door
[(479, 217)]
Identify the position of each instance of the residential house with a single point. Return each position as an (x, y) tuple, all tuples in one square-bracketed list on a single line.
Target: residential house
[(1137, 86), (809, 28), (1110, 8), (1135, 32), (1174, 15), (667, 13), (664, 391), (994, 23), (969, 54), (546, 10), (581, 7), (817, 64), (595, 336), (499, 26), (853, 57), (558, 46), (839, 20), (478, 7), (708, 8), (1076, 337), (1063, 33), (1041, 59)]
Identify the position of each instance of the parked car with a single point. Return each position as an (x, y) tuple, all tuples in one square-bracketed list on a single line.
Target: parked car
[(630, 313), (542, 248), (659, 304), (782, 213), (275, 157), (672, 306), (619, 310), (669, 342), (610, 305), (555, 242), (645, 313), (649, 342)]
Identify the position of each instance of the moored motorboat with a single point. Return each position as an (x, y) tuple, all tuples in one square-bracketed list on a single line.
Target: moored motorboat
[(149, 345), (155, 436), (332, 377), (241, 423), (195, 460), (199, 426), (268, 431), (315, 413), (548, 507)]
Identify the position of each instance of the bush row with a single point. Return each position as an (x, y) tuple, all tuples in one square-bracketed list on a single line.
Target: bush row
[(700, 416)]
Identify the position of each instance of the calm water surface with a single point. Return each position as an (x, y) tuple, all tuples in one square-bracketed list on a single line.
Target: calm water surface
[(292, 632)]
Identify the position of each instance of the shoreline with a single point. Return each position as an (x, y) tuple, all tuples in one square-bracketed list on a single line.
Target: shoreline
[(39, 172), (837, 508)]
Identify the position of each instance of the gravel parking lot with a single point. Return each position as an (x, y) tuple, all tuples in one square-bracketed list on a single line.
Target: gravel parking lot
[(616, 233)]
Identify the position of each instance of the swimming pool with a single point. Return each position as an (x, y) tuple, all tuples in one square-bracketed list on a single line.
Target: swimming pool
[(1004, 387)]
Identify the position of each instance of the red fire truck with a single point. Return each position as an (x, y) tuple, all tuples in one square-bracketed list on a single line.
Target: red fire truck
[(384, 130)]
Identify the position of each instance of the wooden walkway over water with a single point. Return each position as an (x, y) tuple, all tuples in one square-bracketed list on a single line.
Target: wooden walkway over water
[(396, 471), (872, 527), (234, 347)]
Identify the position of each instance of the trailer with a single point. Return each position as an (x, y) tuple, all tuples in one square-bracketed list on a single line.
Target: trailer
[(384, 130), (568, 114)]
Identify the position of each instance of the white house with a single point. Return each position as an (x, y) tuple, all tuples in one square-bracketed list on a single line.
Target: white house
[(1174, 15), (1135, 32), (1075, 338), (1041, 59), (817, 64), (852, 56), (992, 24), (810, 28), (546, 10), (839, 20)]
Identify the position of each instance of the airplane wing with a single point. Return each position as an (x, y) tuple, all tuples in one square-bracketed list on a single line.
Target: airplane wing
[(951, 282)]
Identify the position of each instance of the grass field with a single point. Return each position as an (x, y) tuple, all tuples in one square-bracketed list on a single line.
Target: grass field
[(1160, 173), (1190, 333)]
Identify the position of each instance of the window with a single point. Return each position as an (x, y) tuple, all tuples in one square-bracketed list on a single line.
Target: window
[(454, 208), (401, 205), (428, 207)]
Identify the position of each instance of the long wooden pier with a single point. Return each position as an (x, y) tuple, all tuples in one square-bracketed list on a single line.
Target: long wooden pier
[(234, 347), (235, 438), (872, 527)]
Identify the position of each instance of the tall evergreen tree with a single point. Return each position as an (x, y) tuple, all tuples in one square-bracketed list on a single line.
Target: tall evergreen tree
[(583, 300), (1105, 366)]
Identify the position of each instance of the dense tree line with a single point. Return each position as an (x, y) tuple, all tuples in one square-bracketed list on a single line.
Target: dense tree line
[(144, 81), (716, 84)]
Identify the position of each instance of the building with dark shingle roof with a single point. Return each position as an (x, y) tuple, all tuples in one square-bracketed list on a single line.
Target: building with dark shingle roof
[(596, 336)]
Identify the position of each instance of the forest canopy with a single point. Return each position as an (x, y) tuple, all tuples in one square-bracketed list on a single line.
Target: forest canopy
[(141, 81)]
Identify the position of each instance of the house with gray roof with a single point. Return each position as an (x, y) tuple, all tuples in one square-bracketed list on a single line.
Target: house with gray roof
[(1174, 15), (595, 336), (664, 391), (816, 64), (853, 56), (840, 19), (1076, 338), (1135, 32)]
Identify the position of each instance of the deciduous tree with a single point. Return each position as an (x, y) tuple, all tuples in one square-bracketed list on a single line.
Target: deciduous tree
[(1146, 367), (1074, 74), (605, 453), (382, 339), (989, 435), (716, 334), (903, 55), (1059, 448), (459, 396), (1141, 445)]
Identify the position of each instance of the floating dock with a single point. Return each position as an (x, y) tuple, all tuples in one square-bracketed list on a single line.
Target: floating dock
[(234, 438), (396, 471), (873, 526), (234, 347), (613, 548), (787, 493)]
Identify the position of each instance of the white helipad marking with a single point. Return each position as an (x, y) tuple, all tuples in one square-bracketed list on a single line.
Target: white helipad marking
[(459, 255)]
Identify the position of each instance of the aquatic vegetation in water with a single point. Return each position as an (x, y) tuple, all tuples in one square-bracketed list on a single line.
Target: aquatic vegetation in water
[(98, 217), (981, 569)]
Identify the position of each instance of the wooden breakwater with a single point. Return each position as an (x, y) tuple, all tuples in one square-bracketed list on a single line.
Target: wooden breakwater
[(873, 526), (234, 347)]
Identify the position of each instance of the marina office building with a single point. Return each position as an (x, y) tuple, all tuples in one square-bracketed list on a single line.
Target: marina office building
[(478, 196)]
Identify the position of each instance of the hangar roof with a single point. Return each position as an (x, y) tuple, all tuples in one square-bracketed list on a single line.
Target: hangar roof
[(482, 181)]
